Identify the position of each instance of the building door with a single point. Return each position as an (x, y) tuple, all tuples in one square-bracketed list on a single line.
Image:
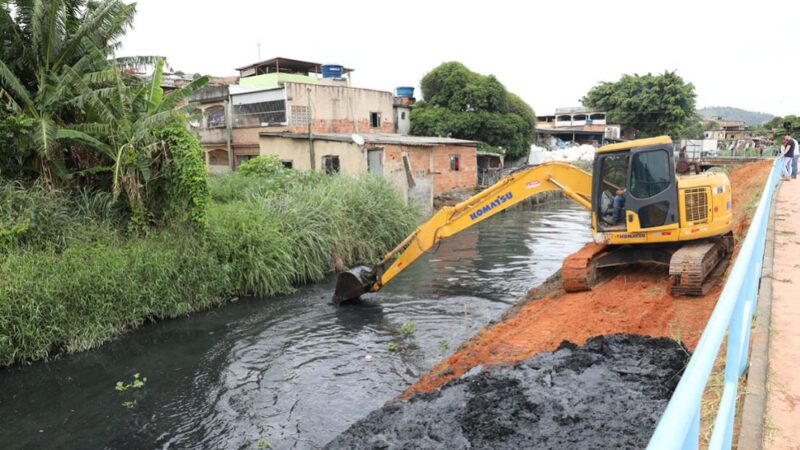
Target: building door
[(375, 161)]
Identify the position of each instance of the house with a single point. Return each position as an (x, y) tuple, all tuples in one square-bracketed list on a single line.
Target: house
[(727, 130), (577, 125), (419, 167), (282, 94)]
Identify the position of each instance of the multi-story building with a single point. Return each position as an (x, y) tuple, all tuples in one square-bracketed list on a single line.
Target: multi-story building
[(576, 125), (311, 117)]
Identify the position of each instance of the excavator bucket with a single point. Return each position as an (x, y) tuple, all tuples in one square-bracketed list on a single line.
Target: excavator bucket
[(353, 283)]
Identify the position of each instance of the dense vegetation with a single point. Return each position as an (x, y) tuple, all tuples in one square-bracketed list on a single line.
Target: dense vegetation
[(463, 104), (107, 217), (729, 113), (652, 105), (72, 278)]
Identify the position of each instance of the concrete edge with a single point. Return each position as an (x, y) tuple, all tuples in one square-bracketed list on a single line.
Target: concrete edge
[(751, 431)]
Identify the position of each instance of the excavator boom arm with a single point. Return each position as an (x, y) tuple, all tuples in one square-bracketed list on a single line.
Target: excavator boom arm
[(575, 183)]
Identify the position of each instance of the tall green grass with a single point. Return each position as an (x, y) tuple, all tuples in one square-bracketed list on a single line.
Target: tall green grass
[(70, 280), (273, 240)]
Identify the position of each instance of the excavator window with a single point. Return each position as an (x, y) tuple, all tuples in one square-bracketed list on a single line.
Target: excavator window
[(614, 173), (651, 174)]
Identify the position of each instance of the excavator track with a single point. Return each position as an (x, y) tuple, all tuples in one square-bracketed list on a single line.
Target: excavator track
[(579, 271), (697, 266)]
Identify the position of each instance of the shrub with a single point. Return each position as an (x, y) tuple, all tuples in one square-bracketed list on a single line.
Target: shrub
[(76, 299)]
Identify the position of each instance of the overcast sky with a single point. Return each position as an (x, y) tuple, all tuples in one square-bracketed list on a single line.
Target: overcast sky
[(736, 53)]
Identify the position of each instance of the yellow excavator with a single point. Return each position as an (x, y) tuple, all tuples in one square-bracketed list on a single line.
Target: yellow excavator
[(642, 212)]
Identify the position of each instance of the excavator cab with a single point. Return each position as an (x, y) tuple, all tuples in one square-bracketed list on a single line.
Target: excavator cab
[(643, 181)]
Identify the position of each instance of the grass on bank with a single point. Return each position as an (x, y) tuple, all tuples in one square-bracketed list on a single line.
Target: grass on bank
[(70, 279)]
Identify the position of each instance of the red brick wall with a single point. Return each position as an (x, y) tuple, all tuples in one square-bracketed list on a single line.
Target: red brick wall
[(344, 126), (447, 180), (444, 179)]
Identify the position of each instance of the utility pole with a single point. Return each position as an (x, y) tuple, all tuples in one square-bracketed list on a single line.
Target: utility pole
[(258, 47), (310, 140)]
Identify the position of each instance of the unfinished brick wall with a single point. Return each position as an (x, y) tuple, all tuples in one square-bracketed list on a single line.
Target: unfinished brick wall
[(445, 179), (344, 126)]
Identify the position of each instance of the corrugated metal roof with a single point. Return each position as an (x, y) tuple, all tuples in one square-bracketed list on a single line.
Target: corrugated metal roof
[(375, 138)]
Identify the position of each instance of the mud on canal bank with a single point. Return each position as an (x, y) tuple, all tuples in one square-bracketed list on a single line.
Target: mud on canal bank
[(607, 393)]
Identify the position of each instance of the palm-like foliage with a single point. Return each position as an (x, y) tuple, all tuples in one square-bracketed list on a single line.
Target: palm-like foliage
[(128, 114), (45, 45), (68, 94)]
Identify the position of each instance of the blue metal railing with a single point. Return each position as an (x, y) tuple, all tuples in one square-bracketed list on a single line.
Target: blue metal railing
[(679, 426)]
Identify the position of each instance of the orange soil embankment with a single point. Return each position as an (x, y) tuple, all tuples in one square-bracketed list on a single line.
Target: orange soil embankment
[(636, 301)]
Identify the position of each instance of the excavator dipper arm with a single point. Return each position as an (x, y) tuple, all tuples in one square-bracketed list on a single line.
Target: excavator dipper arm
[(575, 183)]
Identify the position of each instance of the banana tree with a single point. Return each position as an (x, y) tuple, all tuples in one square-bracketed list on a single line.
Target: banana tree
[(44, 46), (129, 113)]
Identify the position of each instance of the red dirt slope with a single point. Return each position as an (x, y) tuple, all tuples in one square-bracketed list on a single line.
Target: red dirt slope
[(636, 301)]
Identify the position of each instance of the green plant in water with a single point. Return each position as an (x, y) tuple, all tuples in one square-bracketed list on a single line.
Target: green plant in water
[(137, 383), (129, 404), (408, 328), (443, 346), (392, 347), (263, 444)]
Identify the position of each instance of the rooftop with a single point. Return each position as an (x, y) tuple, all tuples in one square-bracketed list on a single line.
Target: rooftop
[(284, 65), (375, 138)]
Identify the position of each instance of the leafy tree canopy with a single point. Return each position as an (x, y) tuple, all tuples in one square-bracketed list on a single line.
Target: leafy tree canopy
[(781, 126), (463, 104), (653, 105)]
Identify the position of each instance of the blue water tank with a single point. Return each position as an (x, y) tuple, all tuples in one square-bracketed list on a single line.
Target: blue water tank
[(405, 91), (332, 71)]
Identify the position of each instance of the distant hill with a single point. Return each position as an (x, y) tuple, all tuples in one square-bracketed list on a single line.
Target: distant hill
[(730, 113)]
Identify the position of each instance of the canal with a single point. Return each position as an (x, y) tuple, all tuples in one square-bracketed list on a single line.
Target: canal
[(290, 371)]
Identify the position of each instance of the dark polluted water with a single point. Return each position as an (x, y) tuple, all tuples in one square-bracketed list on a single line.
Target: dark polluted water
[(291, 371)]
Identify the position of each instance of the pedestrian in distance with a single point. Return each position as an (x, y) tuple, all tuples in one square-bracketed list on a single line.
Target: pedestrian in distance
[(787, 154), (794, 158)]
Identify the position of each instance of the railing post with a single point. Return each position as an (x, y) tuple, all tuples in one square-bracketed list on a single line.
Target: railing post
[(692, 438)]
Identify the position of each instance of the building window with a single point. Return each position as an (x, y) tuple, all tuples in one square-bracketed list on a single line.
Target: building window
[(287, 163), (259, 114), (330, 163), (375, 119), (240, 159), (300, 116), (454, 163), (215, 117), (403, 115), (218, 157)]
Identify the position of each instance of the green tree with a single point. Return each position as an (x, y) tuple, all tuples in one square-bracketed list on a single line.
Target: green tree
[(463, 104), (651, 104), (47, 47), (130, 114), (781, 126)]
